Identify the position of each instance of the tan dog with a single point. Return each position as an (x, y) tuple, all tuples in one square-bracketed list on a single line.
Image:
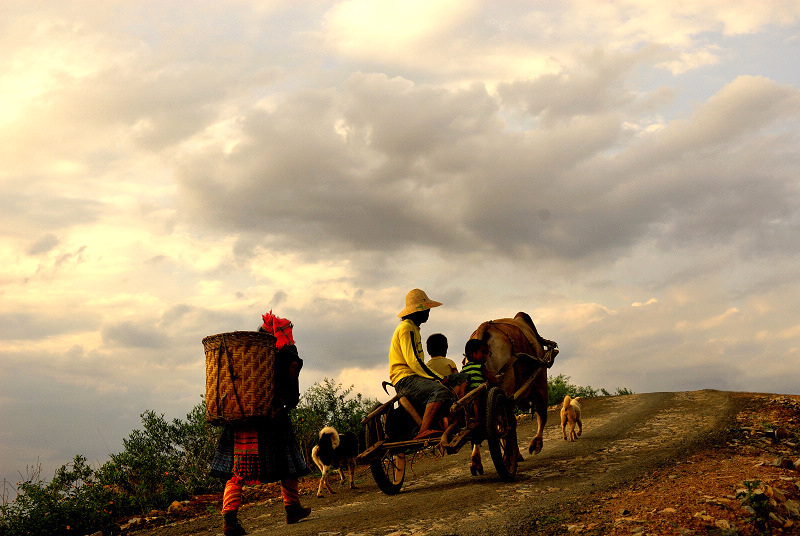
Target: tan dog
[(571, 413), (335, 452)]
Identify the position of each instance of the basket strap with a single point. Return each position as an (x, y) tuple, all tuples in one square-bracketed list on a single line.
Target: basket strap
[(232, 375), (220, 405)]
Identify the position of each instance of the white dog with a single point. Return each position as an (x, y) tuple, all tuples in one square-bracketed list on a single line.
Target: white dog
[(571, 413)]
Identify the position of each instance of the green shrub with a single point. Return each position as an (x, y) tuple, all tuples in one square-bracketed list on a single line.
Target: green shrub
[(558, 387), (163, 462), (328, 404), (753, 499), (75, 502)]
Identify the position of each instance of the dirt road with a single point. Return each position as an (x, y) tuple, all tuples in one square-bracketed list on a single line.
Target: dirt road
[(626, 439)]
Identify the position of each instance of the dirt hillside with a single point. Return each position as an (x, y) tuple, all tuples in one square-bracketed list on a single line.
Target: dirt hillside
[(700, 462)]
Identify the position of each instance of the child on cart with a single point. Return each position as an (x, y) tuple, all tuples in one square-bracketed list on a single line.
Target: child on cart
[(476, 352)]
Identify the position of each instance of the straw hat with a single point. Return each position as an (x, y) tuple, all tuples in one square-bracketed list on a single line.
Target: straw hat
[(417, 300)]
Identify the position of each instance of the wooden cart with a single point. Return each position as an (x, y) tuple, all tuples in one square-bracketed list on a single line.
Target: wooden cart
[(390, 427)]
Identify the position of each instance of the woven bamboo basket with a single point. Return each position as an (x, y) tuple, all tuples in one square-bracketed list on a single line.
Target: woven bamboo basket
[(240, 376)]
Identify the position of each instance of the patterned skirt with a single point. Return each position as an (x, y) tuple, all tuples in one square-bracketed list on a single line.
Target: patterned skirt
[(259, 453)]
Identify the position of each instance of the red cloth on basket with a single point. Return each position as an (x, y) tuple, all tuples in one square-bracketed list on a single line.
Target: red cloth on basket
[(280, 327)]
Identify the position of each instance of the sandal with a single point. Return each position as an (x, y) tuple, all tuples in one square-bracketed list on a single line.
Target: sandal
[(427, 434)]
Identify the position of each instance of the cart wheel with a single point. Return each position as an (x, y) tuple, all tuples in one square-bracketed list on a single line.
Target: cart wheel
[(389, 472), (501, 432)]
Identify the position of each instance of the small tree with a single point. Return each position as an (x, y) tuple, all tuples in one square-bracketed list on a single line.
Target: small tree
[(328, 404), (165, 461), (198, 441)]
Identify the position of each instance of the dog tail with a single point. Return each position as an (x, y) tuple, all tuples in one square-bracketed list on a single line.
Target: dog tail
[(334, 435), (326, 447), (567, 401), (315, 457)]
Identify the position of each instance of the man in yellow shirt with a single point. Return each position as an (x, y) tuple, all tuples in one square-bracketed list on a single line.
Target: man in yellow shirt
[(408, 372)]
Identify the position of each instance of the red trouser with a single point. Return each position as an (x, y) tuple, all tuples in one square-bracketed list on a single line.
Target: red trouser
[(232, 497)]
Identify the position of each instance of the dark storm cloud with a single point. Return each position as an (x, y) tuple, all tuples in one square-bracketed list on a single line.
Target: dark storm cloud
[(338, 333), (384, 164), (598, 86), (43, 244), (130, 335), (31, 215), (174, 337), (43, 324), (304, 181)]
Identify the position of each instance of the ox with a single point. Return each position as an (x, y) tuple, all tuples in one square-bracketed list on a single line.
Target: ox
[(520, 354)]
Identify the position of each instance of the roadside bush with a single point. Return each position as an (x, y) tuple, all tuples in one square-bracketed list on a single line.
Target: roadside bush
[(163, 462), (74, 502), (558, 387), (328, 404), (756, 502)]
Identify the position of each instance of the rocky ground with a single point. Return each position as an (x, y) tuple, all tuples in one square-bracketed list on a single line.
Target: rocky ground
[(740, 479), (707, 493)]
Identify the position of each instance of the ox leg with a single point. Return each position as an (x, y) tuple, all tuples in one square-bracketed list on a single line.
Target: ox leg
[(476, 464), (540, 410)]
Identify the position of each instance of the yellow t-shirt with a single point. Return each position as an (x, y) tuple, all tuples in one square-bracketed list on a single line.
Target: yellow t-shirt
[(442, 365), (406, 357)]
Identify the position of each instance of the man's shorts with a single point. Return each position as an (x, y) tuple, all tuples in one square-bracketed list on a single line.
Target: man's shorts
[(426, 390)]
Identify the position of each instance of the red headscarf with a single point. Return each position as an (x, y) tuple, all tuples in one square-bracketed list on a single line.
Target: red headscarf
[(281, 328)]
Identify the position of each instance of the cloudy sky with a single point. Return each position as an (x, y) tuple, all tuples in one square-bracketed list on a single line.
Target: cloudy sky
[(625, 172)]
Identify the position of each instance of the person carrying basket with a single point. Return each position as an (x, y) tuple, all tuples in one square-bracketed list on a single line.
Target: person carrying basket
[(265, 449)]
